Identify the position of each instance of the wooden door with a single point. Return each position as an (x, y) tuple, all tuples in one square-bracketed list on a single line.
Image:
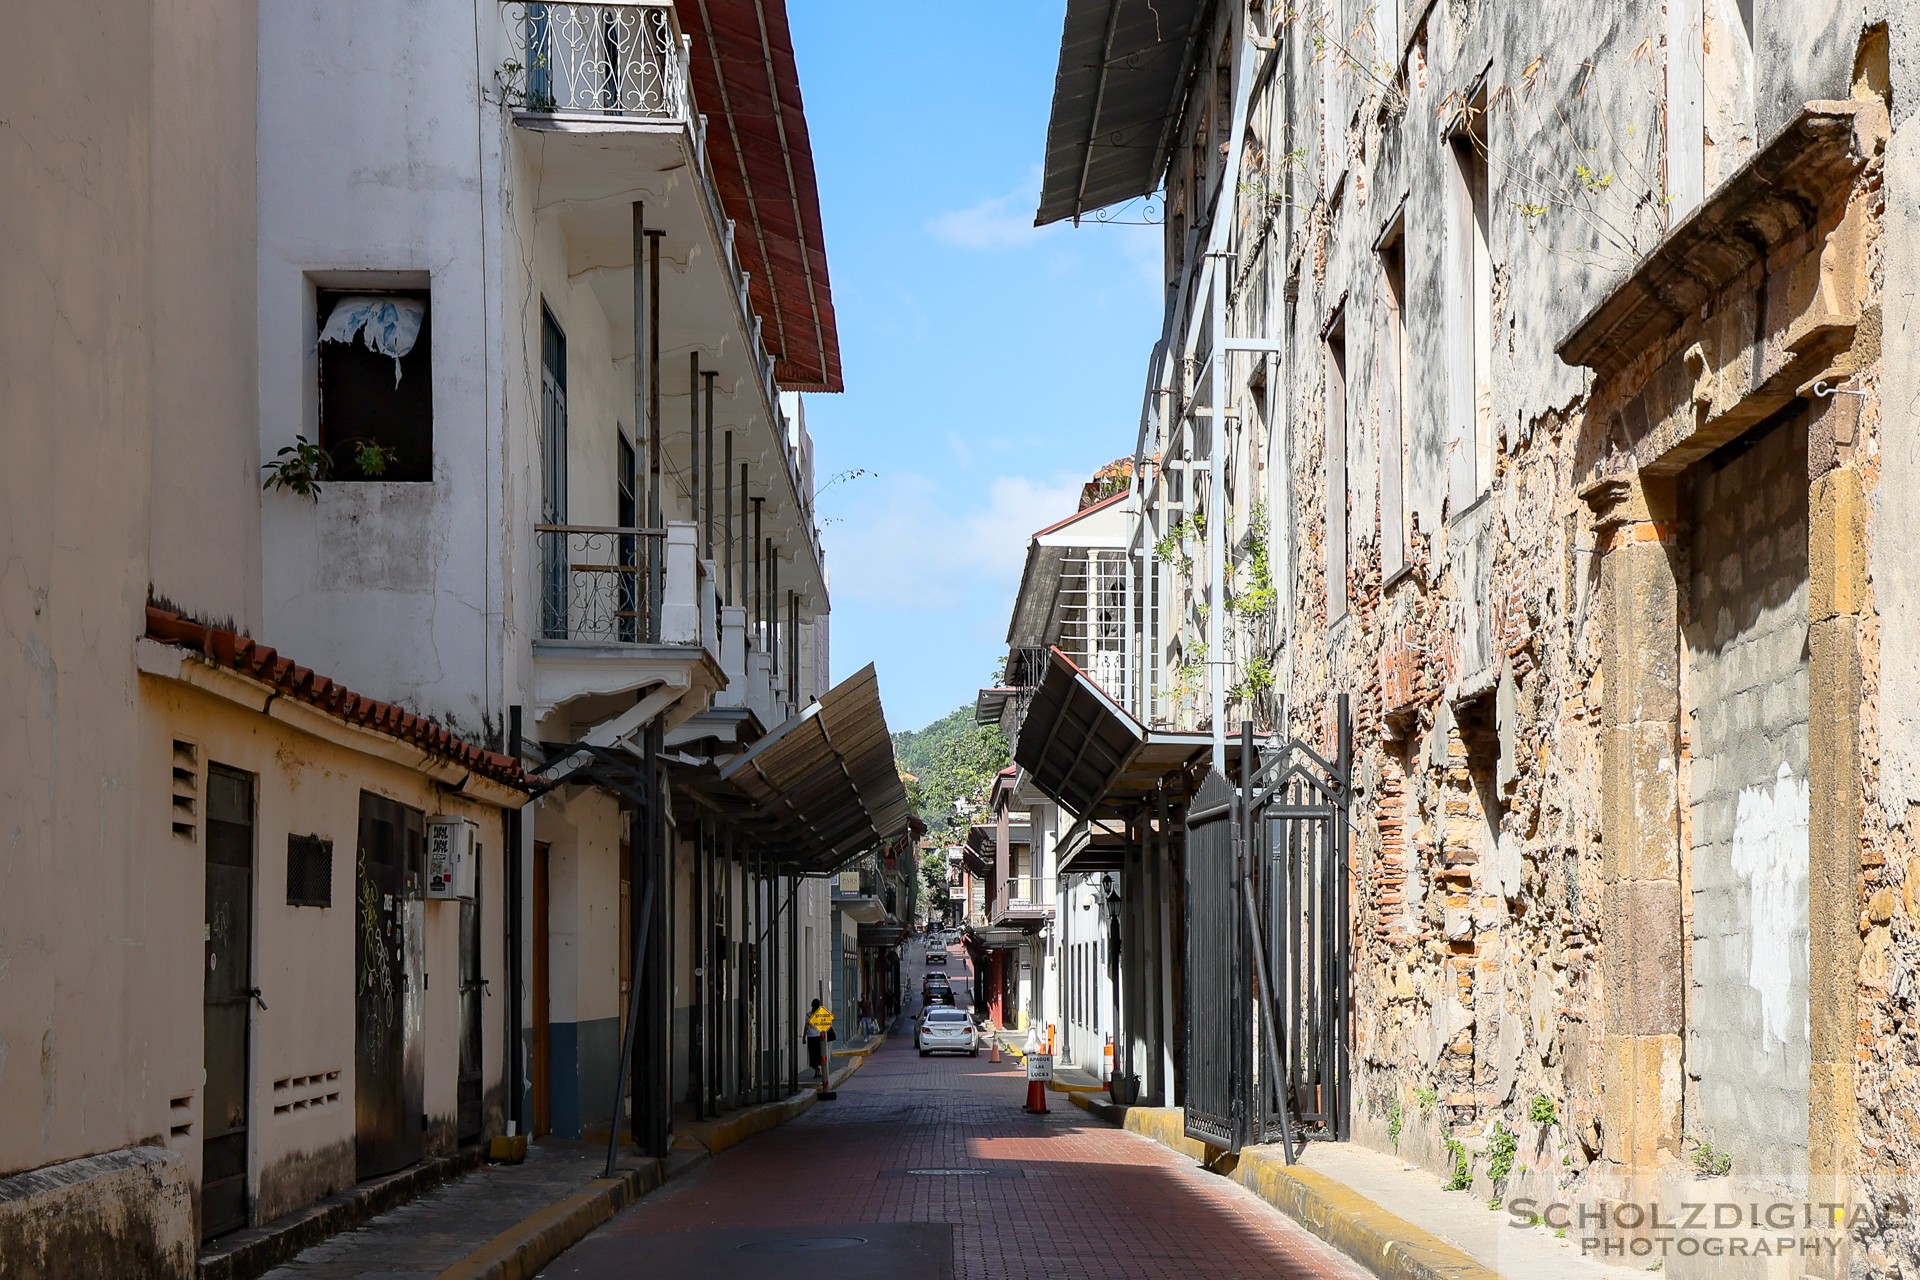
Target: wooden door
[(229, 996)]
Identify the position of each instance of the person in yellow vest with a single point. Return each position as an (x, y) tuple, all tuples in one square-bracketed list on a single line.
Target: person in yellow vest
[(817, 1045)]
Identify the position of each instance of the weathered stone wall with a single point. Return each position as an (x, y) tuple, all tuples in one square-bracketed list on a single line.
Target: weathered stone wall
[(1746, 639), (1599, 656), (124, 1213)]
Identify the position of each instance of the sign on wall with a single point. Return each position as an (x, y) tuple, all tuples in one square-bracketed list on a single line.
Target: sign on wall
[(450, 858)]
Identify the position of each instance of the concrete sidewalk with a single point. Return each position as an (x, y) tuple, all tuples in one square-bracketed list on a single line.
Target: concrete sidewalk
[(1340, 1192), (505, 1222)]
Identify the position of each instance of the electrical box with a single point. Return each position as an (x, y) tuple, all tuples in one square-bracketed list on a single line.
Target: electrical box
[(450, 857)]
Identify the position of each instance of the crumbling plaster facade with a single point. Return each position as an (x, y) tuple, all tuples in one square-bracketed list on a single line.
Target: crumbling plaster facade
[(1612, 585)]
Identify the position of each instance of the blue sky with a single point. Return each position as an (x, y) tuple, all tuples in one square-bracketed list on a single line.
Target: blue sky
[(990, 367)]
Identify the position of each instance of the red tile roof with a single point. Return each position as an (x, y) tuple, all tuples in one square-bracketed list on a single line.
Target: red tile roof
[(746, 80), (231, 650)]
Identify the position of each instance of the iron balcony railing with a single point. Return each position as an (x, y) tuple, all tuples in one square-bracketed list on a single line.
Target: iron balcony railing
[(623, 60), (595, 582)]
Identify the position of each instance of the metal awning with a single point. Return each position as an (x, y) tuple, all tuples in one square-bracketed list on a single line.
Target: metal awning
[(1093, 846), (824, 786), (1103, 526), (1085, 751), (890, 934), (1000, 939), (1124, 66)]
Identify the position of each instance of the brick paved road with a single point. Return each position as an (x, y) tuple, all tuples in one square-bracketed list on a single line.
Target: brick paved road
[(1066, 1197)]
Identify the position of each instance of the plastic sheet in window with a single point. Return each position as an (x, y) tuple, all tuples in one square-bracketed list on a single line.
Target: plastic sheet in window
[(387, 324)]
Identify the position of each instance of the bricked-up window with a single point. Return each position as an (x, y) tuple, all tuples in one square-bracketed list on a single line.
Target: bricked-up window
[(1391, 350), (309, 871), (376, 382), (1468, 268), (1335, 362)]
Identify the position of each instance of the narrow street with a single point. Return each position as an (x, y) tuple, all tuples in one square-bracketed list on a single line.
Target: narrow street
[(929, 1167)]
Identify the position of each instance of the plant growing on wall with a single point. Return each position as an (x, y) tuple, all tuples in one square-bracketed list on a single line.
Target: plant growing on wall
[(1500, 1151), (301, 467)]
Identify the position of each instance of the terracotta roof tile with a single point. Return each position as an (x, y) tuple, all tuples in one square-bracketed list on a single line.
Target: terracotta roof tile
[(225, 648)]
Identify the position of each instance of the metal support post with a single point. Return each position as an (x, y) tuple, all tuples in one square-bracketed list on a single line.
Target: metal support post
[(656, 561), (706, 500), (697, 487)]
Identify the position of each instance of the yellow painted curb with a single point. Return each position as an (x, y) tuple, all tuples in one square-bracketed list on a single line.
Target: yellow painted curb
[(864, 1049), (1387, 1244), (534, 1241), (1384, 1242)]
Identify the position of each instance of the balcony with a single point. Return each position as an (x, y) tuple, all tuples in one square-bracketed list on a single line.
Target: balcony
[(602, 96), (1022, 902), (622, 610), (625, 62)]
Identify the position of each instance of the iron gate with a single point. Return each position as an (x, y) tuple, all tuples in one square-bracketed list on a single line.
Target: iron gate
[(1267, 948)]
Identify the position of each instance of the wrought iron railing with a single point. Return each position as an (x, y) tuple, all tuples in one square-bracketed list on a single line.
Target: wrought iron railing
[(595, 582), (625, 60)]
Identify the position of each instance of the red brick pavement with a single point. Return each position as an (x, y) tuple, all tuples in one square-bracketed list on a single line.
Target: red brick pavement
[(1091, 1202)]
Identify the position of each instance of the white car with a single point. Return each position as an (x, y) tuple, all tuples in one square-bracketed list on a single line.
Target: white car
[(937, 955), (943, 1029)]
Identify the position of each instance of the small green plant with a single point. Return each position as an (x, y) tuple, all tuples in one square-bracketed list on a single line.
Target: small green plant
[(1255, 679), (1427, 1098), (1259, 596), (1500, 1149), (1542, 1110), (300, 468), (1710, 1162), (1171, 548), (1462, 1177), (372, 459), (303, 466), (1396, 1121)]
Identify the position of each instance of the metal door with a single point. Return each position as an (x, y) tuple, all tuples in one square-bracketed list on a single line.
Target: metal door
[(473, 990), (1299, 826), (1219, 995), (389, 1074), (1268, 980), (228, 1014)]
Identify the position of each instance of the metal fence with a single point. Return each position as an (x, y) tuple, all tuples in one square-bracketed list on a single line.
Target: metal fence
[(1268, 963), (623, 60), (596, 583)]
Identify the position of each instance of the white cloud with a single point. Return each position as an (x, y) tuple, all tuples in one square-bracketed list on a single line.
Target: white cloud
[(997, 222), (918, 549)]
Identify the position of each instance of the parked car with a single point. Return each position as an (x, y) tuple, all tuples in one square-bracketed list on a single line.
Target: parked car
[(946, 1030)]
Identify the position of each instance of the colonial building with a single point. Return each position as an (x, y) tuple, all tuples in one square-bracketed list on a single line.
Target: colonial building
[(512, 309), (1511, 461)]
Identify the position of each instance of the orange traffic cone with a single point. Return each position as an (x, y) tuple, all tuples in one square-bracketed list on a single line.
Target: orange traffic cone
[(993, 1052), (1037, 1097)]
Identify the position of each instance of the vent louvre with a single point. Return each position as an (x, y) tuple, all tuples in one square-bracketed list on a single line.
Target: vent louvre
[(309, 871), (186, 789)]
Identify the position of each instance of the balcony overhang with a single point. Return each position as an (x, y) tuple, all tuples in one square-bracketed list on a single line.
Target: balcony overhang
[(999, 939), (861, 908), (823, 787), (1093, 847), (1082, 749), (878, 936), (587, 682), (1124, 67)]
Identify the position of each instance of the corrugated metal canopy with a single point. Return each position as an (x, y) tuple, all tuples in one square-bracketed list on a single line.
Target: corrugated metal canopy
[(824, 786), (1084, 750), (1116, 95)]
